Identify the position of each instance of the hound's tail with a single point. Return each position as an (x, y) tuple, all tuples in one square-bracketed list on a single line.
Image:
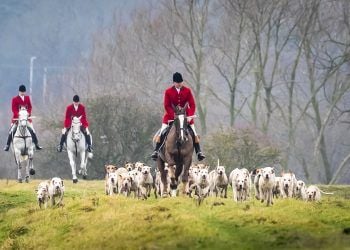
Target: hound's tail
[(325, 192)]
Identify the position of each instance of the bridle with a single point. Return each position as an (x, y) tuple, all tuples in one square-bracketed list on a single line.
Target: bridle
[(181, 127), (76, 133), (22, 124)]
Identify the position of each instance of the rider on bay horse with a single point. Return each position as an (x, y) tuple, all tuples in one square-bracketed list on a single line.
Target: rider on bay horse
[(176, 95), (18, 102), (76, 109)]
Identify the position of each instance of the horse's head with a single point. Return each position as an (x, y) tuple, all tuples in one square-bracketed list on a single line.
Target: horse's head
[(181, 123), (75, 128), (23, 117)]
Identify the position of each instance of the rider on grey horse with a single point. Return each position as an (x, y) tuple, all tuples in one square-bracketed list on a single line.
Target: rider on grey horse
[(76, 109), (178, 95), (18, 102)]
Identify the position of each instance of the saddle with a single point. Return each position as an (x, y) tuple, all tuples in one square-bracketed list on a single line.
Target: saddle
[(165, 133)]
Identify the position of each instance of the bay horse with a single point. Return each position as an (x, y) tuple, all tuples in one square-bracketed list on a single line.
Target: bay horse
[(76, 146), (23, 146), (177, 151)]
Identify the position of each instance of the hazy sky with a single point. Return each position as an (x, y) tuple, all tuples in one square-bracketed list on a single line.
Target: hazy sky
[(57, 32)]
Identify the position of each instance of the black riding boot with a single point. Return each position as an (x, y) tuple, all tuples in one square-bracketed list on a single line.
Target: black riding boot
[(8, 143), (154, 155), (60, 146), (35, 139), (199, 153), (197, 148), (10, 136), (88, 142)]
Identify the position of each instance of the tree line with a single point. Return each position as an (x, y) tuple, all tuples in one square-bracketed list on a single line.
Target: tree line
[(279, 67)]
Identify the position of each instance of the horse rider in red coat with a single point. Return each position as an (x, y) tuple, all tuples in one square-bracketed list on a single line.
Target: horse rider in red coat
[(178, 94), (18, 102), (75, 109)]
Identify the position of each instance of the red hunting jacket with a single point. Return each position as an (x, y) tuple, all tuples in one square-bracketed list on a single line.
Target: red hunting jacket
[(17, 103), (71, 112), (172, 99)]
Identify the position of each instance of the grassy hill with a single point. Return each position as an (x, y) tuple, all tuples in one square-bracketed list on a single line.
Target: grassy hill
[(91, 220)]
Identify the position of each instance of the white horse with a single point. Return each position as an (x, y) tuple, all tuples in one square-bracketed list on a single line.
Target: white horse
[(23, 146), (76, 145)]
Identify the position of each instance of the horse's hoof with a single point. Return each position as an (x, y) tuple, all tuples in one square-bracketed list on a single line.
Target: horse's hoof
[(32, 171), (79, 171), (75, 180), (20, 181), (27, 179), (165, 195), (173, 193), (84, 177)]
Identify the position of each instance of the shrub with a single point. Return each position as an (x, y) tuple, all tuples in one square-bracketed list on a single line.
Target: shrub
[(240, 148)]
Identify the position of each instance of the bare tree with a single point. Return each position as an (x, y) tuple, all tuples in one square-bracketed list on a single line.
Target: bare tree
[(323, 72), (187, 27), (234, 51)]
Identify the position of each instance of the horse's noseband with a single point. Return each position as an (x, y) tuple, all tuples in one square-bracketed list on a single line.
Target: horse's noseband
[(76, 136)]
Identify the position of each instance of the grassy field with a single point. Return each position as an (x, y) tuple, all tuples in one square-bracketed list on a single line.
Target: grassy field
[(91, 220)]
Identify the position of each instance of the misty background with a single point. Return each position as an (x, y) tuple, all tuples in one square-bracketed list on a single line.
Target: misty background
[(270, 79)]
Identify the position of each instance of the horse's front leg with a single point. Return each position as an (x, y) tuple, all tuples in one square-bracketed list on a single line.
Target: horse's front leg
[(27, 170), (83, 162), (17, 154), (31, 166), (73, 166), (164, 177), (19, 174), (173, 179), (185, 174)]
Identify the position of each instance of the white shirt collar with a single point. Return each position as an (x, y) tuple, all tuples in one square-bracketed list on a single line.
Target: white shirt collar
[(75, 107), (178, 90), (22, 97)]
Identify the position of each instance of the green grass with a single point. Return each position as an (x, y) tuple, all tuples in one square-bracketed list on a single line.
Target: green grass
[(91, 220)]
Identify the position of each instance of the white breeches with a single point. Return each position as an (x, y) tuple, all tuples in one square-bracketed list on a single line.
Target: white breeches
[(164, 126), (64, 130), (194, 130), (29, 124)]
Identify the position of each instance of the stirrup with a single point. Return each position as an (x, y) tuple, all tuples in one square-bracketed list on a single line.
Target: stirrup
[(6, 148), (89, 149), (200, 156), (154, 155), (38, 147), (59, 148)]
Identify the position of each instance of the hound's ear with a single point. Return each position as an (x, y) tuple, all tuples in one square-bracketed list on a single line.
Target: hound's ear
[(273, 170), (62, 183)]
